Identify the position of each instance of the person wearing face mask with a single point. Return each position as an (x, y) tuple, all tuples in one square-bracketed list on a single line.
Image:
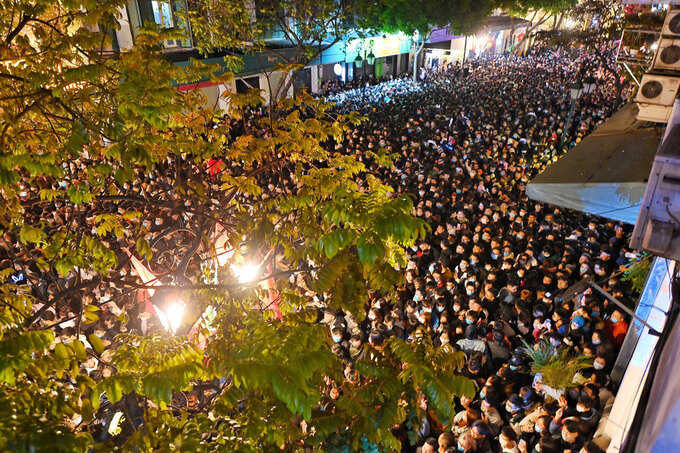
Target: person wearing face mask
[(426, 256), (570, 438), (616, 328), (462, 271), (470, 288), (600, 363), (530, 399), (513, 411), (480, 433), (458, 307), (442, 299), (600, 380), (338, 335), (601, 343), (587, 414), (428, 309), (544, 445), (466, 444)]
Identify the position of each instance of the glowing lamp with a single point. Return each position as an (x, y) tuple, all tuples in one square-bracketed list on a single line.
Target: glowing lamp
[(246, 273), (171, 316)]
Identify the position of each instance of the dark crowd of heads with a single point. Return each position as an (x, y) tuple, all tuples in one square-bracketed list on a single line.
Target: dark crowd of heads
[(496, 270)]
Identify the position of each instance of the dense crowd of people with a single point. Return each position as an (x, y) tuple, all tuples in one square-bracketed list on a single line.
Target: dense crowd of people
[(496, 269), (493, 273)]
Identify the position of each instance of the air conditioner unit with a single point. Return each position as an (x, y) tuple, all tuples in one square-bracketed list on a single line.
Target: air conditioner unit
[(656, 96), (657, 229), (671, 26), (668, 55)]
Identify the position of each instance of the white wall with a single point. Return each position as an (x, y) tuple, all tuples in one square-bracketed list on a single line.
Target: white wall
[(657, 293), (124, 35)]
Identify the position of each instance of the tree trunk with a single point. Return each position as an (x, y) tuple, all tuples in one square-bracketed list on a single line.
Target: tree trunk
[(512, 33), (530, 29)]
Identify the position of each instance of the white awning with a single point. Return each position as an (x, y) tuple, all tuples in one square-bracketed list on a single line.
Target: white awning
[(606, 173)]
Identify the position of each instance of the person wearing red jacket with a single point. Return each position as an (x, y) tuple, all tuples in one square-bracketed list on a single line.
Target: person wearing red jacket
[(616, 328)]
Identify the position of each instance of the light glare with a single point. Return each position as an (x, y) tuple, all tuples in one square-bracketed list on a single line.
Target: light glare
[(171, 318), (246, 273)]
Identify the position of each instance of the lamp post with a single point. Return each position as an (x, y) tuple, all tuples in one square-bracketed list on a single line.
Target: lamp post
[(576, 89), (368, 56)]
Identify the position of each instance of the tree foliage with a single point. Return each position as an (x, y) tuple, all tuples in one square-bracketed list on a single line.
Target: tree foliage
[(295, 32), (462, 16), (421, 18), (108, 137)]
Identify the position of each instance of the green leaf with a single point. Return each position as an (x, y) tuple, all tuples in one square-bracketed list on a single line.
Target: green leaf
[(61, 352), (97, 343), (90, 317), (79, 350), (29, 234), (144, 248)]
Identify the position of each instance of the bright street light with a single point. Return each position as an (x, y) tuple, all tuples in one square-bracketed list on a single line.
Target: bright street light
[(171, 317), (246, 273)]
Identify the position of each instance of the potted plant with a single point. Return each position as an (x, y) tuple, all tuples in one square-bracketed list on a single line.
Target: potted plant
[(555, 369)]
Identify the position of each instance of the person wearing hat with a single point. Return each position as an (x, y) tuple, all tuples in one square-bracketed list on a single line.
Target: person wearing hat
[(576, 326), (498, 346), (474, 370), (515, 363), (521, 374), (513, 411), (531, 399)]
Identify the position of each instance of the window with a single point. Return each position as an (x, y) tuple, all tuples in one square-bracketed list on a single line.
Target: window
[(162, 14)]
